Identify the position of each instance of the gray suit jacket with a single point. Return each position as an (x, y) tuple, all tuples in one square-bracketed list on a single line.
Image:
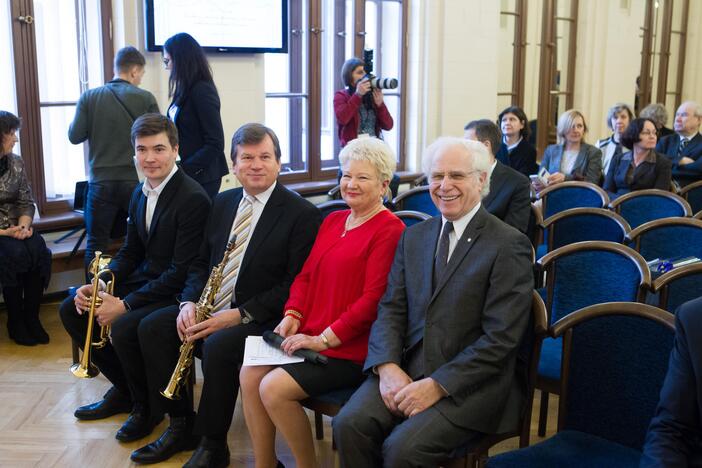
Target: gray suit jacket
[(474, 321), (587, 167)]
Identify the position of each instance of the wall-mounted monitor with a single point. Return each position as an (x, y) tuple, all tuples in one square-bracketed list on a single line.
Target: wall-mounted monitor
[(221, 26)]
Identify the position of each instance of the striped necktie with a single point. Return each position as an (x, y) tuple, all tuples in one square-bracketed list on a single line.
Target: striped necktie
[(240, 228), (682, 145)]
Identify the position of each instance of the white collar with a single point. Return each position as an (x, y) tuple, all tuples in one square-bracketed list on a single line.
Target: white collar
[(461, 223), (263, 196), (146, 187)]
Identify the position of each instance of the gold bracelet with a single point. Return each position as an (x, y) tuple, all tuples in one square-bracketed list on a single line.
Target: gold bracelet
[(324, 340), (293, 313)]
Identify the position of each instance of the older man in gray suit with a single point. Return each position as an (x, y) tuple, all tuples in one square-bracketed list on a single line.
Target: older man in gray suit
[(442, 355)]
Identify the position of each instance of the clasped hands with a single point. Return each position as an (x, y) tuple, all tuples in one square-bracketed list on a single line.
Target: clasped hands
[(403, 396), (18, 232)]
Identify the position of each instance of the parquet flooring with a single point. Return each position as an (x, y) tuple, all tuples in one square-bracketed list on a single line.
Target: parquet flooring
[(38, 395)]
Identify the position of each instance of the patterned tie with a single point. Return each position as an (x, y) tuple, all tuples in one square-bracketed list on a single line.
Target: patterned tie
[(682, 145), (240, 229), (442, 253)]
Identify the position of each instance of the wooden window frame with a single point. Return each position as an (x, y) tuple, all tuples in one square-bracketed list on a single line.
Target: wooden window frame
[(518, 53)]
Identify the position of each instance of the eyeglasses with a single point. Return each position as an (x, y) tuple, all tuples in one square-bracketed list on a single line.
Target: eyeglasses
[(166, 61)]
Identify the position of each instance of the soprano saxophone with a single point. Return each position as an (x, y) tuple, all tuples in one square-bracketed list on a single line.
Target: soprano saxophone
[(203, 311)]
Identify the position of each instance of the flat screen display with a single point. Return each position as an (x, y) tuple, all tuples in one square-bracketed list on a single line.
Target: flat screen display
[(224, 26)]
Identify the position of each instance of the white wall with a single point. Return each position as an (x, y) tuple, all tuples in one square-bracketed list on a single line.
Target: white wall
[(239, 78)]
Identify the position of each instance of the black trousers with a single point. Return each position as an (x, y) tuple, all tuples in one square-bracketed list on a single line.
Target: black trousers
[(106, 207), (222, 354), (121, 360), (368, 435)]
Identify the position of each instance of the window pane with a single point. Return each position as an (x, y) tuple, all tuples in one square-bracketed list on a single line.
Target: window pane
[(64, 163), (7, 66), (284, 117), (57, 49), (391, 137), (391, 45), (94, 45), (371, 25)]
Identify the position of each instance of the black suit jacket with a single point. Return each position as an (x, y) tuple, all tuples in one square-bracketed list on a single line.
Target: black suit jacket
[(473, 321), (276, 252), (521, 159), (161, 256), (674, 436), (688, 172), (510, 197), (647, 175), (200, 133)]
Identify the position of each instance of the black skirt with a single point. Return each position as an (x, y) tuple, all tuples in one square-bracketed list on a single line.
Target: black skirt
[(23, 256), (316, 379)]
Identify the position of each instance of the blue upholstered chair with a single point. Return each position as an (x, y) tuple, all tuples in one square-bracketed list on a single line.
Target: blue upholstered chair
[(331, 206), (668, 238), (572, 194), (642, 206), (416, 199), (615, 357), (581, 224), (579, 275), (692, 194), (528, 359), (410, 218), (678, 286)]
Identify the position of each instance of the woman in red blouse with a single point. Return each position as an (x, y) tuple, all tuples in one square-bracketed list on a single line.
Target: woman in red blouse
[(333, 302)]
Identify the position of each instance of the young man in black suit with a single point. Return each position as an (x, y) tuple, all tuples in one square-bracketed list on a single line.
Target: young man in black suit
[(272, 250), (684, 147), (510, 195), (167, 216)]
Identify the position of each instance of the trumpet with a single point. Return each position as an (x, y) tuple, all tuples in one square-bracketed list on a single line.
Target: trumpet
[(97, 268), (203, 311)]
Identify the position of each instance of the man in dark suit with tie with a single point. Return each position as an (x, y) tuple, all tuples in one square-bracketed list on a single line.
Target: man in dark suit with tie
[(167, 216), (442, 356), (684, 147), (510, 191), (674, 436), (275, 229)]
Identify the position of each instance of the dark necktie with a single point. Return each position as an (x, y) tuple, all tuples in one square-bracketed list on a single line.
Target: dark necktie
[(682, 145), (442, 253)]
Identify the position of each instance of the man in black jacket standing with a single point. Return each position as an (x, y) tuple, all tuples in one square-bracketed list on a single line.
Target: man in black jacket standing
[(104, 118), (167, 216)]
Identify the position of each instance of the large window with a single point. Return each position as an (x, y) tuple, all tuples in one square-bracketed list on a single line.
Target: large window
[(300, 85), (59, 52)]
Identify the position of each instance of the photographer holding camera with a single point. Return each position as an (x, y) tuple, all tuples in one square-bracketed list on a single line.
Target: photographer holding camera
[(359, 107)]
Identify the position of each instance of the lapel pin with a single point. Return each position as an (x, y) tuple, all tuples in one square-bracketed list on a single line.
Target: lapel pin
[(469, 239)]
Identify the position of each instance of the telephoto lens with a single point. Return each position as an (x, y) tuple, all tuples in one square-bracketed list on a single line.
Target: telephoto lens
[(384, 83)]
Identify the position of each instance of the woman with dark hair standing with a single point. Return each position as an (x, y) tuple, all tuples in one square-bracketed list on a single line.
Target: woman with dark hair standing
[(641, 168), (359, 108), (25, 262), (516, 151), (195, 111)]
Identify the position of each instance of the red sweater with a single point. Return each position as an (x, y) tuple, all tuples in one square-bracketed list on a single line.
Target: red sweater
[(343, 279), (347, 116)]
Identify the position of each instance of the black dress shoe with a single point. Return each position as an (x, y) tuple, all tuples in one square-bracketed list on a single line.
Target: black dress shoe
[(112, 403), (209, 454), (138, 425), (178, 437)]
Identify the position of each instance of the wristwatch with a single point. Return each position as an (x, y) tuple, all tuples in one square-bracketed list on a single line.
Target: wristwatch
[(245, 316)]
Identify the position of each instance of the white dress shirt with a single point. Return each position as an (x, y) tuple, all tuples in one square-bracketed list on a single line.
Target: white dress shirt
[(152, 194), (459, 226)]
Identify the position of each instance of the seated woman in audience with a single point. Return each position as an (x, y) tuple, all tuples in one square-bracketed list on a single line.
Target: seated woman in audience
[(641, 168), (571, 158), (25, 262), (658, 113), (516, 151), (618, 118), (332, 305)]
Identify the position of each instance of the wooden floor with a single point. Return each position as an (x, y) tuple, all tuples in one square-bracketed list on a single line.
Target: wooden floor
[(38, 395)]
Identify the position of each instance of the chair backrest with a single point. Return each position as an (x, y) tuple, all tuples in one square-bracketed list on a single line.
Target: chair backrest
[(581, 224), (534, 228), (692, 193), (698, 215), (668, 238), (591, 272), (80, 196), (410, 218), (332, 206), (572, 194), (642, 206), (678, 286), (416, 199), (615, 357)]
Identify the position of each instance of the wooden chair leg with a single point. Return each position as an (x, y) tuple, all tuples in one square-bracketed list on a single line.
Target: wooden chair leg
[(318, 425), (543, 413)]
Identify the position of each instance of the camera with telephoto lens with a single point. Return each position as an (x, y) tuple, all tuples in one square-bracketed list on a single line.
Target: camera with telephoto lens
[(376, 82)]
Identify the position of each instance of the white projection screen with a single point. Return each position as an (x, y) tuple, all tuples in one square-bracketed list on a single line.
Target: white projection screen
[(224, 26)]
